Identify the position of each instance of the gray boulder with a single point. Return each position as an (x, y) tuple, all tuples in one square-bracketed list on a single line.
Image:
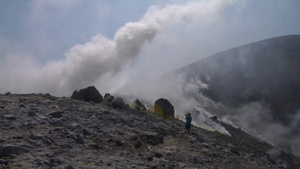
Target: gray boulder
[(88, 94)]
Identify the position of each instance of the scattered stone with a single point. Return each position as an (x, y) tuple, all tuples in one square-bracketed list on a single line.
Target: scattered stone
[(42, 117), (31, 113), (107, 104), (2, 161), (10, 150), (235, 151), (22, 105), (9, 117), (152, 138), (78, 139), (57, 122), (118, 143), (86, 132), (36, 136), (138, 144), (158, 155), (56, 114), (149, 158), (69, 167), (73, 126)]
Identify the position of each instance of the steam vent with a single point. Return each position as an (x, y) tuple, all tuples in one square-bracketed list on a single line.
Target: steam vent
[(163, 108)]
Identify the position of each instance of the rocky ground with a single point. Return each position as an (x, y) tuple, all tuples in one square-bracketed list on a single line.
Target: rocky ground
[(42, 131)]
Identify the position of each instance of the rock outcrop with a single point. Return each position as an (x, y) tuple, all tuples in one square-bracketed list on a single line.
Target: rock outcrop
[(42, 131), (163, 108), (118, 103), (138, 105), (108, 98), (88, 94)]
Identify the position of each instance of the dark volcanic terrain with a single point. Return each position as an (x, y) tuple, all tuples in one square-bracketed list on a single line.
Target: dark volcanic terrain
[(258, 87), (42, 131), (267, 71)]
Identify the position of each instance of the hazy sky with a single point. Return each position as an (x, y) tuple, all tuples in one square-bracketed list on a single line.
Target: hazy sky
[(58, 46)]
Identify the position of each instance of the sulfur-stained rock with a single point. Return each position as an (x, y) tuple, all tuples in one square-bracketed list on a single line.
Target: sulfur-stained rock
[(138, 105), (163, 108)]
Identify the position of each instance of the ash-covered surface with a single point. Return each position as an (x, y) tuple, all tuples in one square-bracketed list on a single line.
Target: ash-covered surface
[(42, 131)]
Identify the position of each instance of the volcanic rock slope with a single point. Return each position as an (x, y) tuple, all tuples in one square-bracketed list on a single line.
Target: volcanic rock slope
[(266, 71), (42, 131)]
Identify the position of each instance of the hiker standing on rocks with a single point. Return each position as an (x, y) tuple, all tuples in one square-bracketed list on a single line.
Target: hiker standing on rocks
[(188, 122)]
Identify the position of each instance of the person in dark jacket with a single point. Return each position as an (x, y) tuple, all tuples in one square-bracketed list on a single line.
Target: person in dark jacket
[(188, 122)]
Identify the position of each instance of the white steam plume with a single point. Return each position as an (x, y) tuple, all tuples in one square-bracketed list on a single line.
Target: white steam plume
[(101, 57), (256, 118)]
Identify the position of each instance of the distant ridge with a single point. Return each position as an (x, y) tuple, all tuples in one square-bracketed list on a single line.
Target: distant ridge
[(265, 71)]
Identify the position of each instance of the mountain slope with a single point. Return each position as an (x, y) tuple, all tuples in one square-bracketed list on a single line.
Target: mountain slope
[(267, 71), (42, 131)]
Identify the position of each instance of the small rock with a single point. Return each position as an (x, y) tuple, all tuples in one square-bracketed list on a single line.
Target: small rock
[(73, 126), (158, 155), (39, 162), (108, 104), (86, 132), (9, 117), (35, 136), (56, 114), (118, 143), (69, 167), (149, 158), (138, 144), (42, 117), (31, 113), (193, 140), (153, 138), (9, 150), (78, 139), (57, 122), (2, 161), (22, 105), (235, 151), (49, 164), (205, 144), (205, 151)]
